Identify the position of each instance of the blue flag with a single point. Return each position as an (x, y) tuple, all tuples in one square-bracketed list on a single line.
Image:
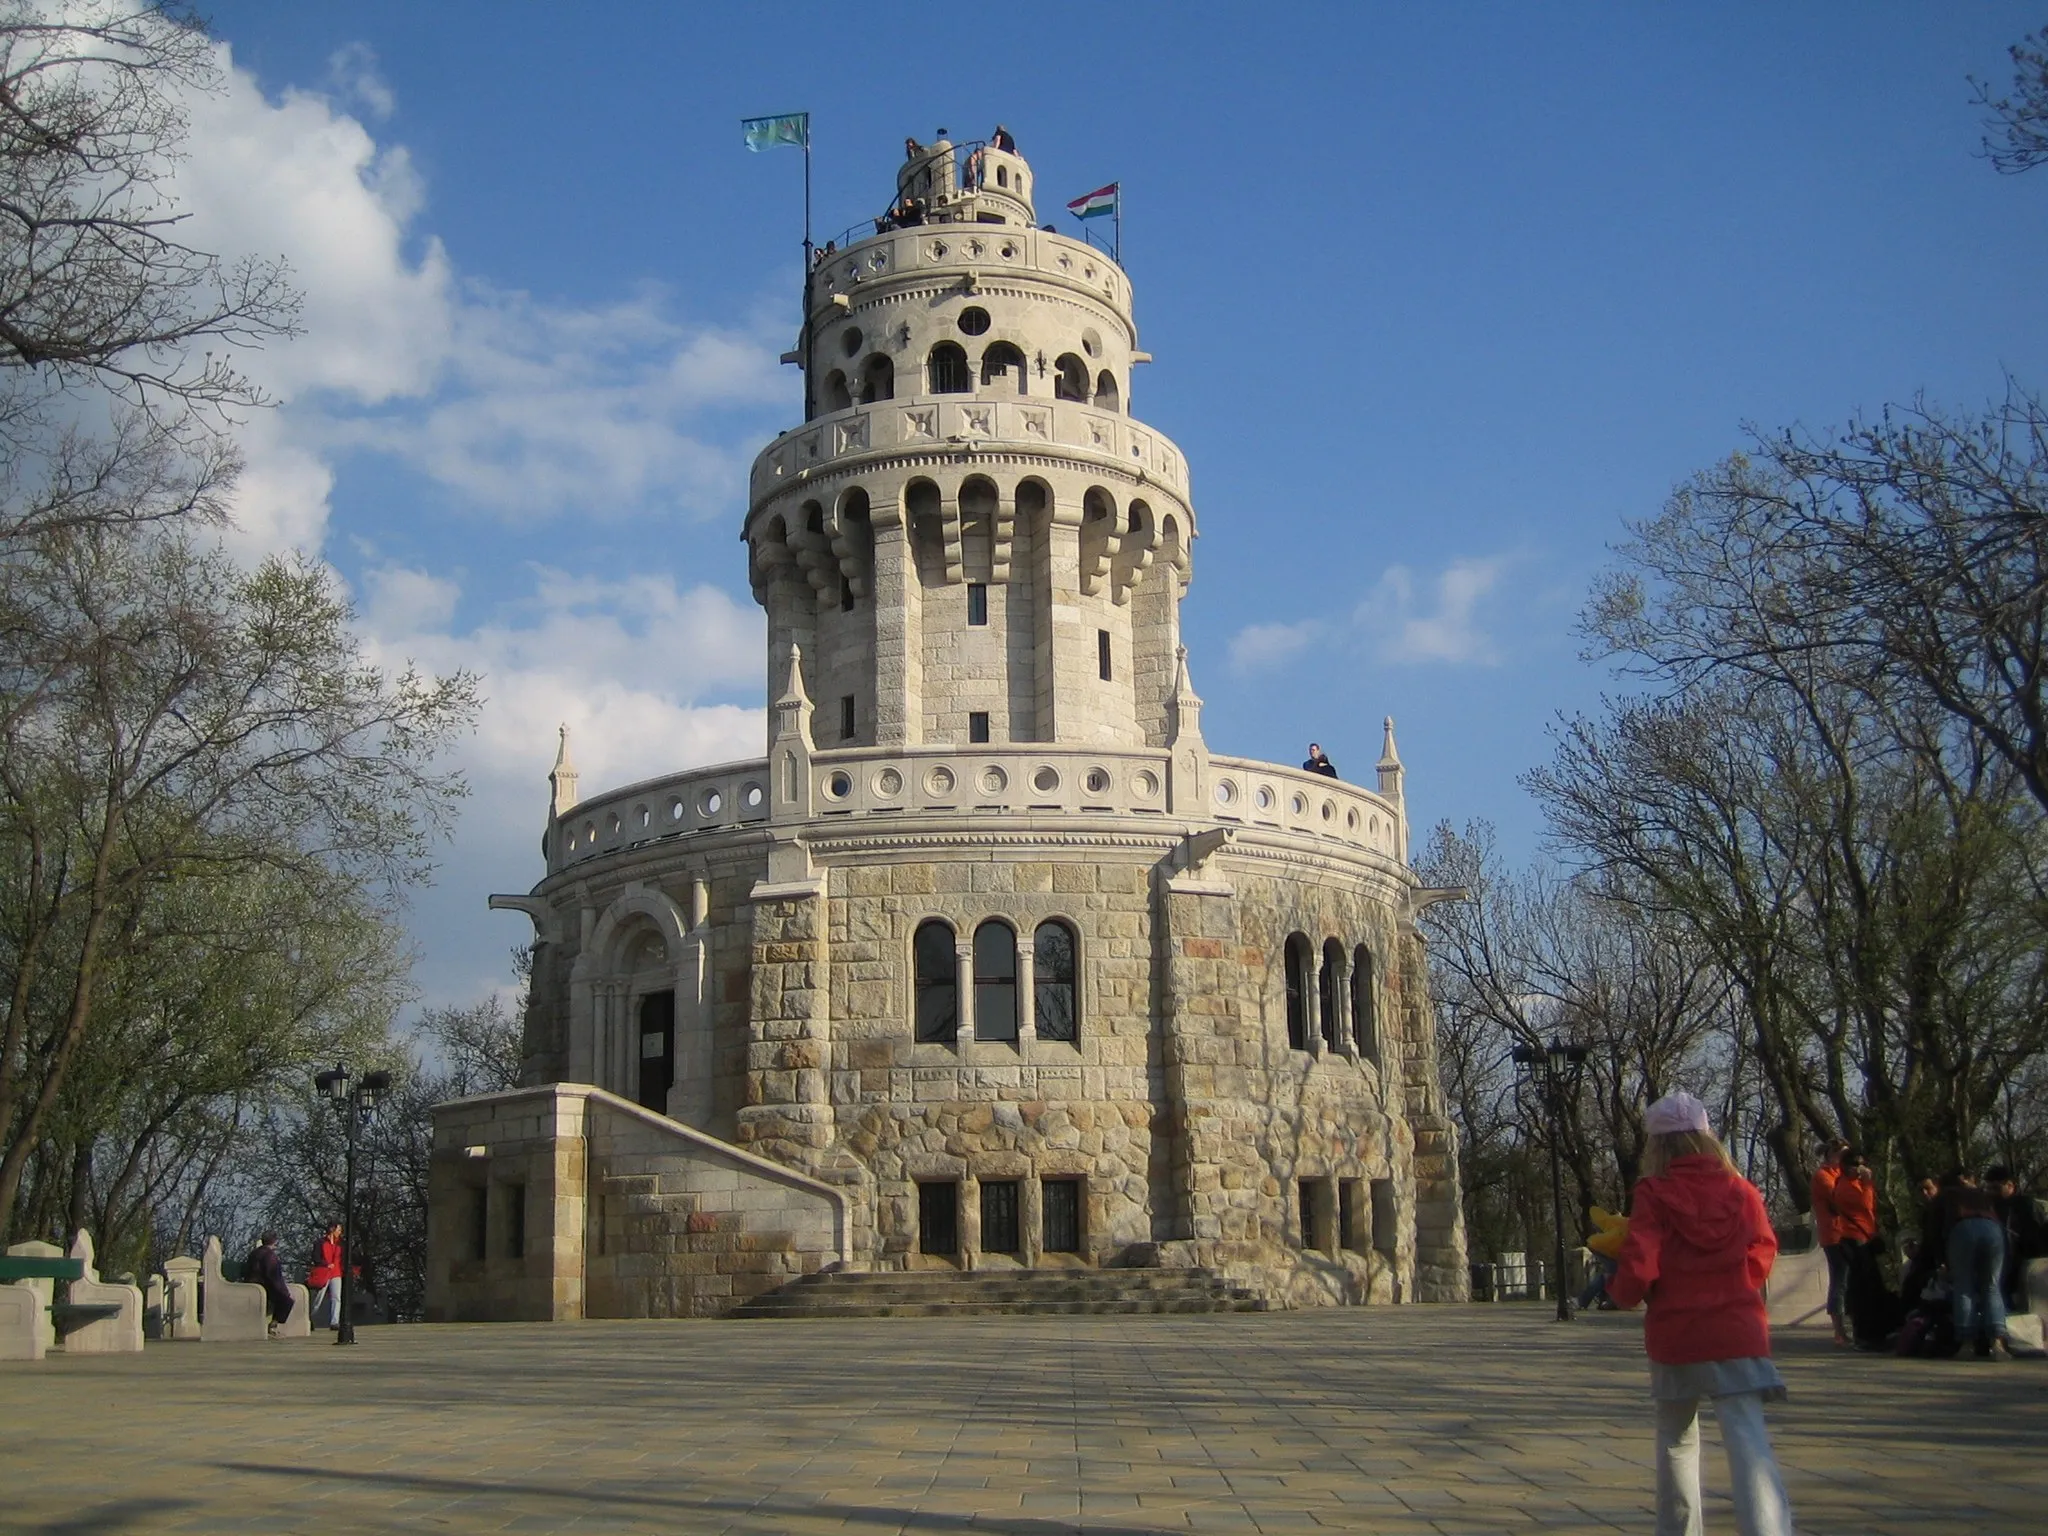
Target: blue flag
[(792, 128)]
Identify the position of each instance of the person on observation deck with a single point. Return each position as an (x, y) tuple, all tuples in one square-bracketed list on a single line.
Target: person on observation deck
[(1318, 762)]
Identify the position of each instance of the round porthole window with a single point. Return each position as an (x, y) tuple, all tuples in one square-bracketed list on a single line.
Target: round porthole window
[(1098, 781), (1226, 792), (840, 785), (974, 320), (1045, 781), (850, 340), (1091, 343)]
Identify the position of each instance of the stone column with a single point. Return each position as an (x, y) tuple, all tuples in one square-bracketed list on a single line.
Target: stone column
[(963, 960), (899, 630), (1027, 990)]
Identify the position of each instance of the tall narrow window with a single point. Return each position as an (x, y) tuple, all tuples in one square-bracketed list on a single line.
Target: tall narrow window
[(515, 1221), (1297, 992), (977, 725), (480, 1222), (1001, 1232), (846, 720), (947, 370), (1061, 1200), (995, 981), (938, 982), (1347, 1214), (1102, 653), (1306, 1189), (1330, 993), (1055, 1000), (1386, 1218), (938, 1218), (657, 1049), (845, 595), (977, 603), (1365, 1024)]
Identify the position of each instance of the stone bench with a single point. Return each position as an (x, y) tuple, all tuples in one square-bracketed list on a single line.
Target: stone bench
[(95, 1317), (234, 1312)]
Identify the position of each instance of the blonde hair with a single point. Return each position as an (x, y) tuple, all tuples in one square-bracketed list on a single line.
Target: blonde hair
[(1668, 1146)]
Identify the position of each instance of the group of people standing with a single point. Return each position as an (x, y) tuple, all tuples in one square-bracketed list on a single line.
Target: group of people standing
[(265, 1267), (1964, 1271)]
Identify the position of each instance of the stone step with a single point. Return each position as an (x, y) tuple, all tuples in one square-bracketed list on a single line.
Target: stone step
[(941, 1293)]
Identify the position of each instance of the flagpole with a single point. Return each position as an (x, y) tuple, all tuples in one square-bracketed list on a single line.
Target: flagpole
[(1118, 206), (804, 332)]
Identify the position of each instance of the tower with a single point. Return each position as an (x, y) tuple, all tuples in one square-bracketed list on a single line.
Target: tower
[(976, 540), (989, 960)]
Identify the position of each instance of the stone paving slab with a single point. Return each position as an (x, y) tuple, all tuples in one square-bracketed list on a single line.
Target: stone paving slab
[(1413, 1421)]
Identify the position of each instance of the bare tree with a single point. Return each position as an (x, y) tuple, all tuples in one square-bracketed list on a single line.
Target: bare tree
[(2016, 134), (96, 286)]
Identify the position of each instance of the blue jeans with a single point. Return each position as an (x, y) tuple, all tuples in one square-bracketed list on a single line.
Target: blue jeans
[(326, 1303), (1976, 1254)]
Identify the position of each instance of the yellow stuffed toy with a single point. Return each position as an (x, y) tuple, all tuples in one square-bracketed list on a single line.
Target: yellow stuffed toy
[(1612, 1233)]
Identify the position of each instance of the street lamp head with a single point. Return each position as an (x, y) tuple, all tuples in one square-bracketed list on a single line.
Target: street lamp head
[(333, 1084), (372, 1088)]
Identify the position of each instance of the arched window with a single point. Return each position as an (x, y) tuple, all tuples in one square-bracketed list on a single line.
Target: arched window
[(938, 982), (1054, 996), (995, 981), (1330, 985), (1070, 378), (837, 396), (1000, 361), (1297, 992), (1365, 1024), (1106, 393), (947, 370), (877, 380)]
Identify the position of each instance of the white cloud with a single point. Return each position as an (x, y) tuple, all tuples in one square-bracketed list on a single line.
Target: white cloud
[(1436, 621), (352, 72), (1260, 646)]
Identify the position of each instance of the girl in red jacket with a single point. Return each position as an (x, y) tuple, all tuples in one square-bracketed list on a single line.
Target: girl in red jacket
[(1699, 1248)]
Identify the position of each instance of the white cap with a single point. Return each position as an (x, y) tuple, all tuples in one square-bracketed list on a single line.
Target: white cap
[(1678, 1111)]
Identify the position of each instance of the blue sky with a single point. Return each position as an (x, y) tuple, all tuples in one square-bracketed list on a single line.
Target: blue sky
[(1438, 297)]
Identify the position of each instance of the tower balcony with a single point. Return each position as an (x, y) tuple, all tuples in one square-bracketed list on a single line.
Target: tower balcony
[(1040, 785), (960, 426), (874, 266)]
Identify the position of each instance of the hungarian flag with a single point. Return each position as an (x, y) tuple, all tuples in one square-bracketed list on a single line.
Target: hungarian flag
[(1102, 200)]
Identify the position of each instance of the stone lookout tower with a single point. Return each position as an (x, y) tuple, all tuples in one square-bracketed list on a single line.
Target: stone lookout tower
[(990, 961)]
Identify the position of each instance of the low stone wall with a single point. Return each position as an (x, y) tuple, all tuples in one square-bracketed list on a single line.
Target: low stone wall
[(566, 1202)]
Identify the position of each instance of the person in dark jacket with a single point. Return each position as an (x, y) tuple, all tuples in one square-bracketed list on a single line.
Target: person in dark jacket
[(1699, 1249), (2024, 1238), (263, 1267), (1319, 763)]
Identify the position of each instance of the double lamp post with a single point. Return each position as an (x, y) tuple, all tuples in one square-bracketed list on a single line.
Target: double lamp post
[(355, 1107), (1555, 1069)]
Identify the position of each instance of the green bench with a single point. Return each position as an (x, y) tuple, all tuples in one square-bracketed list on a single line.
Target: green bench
[(64, 1315)]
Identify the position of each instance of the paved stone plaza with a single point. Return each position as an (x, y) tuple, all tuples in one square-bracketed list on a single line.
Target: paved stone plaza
[(1427, 1419)]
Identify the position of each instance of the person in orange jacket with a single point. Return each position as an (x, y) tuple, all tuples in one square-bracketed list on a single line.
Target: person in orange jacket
[(323, 1280), (1827, 1232)]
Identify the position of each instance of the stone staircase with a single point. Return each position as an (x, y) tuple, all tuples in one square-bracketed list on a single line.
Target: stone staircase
[(957, 1293)]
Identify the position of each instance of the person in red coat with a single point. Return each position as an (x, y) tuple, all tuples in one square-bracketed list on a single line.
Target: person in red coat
[(323, 1280), (1699, 1249)]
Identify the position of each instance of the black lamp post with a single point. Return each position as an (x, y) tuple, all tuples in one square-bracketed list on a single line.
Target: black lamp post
[(355, 1108), (1559, 1067)]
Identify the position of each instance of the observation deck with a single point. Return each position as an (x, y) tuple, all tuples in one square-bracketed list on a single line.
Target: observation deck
[(1037, 785)]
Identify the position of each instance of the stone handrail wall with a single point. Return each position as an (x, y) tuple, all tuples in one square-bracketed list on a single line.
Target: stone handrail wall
[(696, 800), (944, 251), (1246, 792), (930, 421), (1023, 778)]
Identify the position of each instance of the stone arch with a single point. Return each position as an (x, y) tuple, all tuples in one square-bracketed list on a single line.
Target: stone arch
[(1330, 993), (935, 983), (877, 379), (946, 371), (835, 395), (1000, 361), (853, 540), (1099, 536), (1107, 395), (635, 971), (924, 515), (1070, 378), (1298, 965), (1365, 1024), (979, 501)]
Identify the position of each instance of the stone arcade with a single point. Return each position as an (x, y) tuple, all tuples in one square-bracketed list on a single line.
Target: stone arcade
[(990, 961)]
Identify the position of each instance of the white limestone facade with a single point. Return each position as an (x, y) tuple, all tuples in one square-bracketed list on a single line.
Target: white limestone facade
[(989, 960)]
